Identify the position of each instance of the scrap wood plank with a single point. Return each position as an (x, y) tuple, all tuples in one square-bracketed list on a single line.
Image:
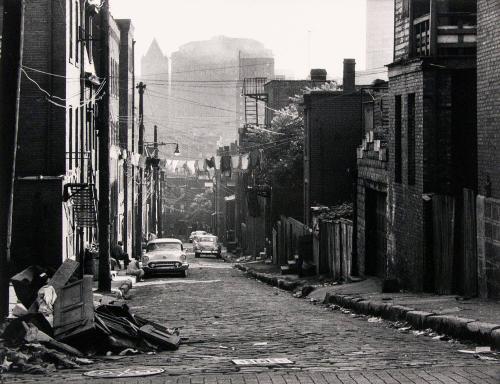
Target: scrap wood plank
[(63, 274), (74, 309)]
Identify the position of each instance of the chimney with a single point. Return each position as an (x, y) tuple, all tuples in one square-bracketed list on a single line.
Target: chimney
[(318, 74), (349, 75)]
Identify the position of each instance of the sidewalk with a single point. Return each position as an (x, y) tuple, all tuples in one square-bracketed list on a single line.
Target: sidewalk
[(471, 319)]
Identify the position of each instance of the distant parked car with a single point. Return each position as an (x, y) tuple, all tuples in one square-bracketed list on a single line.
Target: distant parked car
[(196, 234), (165, 256), (207, 245)]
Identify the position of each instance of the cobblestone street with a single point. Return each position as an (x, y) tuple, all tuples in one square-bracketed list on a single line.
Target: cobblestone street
[(223, 315)]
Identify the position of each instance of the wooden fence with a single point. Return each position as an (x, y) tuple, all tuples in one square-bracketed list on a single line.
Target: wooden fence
[(332, 248)]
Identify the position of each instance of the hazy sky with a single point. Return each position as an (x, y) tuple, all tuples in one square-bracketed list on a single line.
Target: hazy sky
[(336, 28)]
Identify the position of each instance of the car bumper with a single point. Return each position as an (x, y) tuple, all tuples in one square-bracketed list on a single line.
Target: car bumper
[(207, 252), (153, 268)]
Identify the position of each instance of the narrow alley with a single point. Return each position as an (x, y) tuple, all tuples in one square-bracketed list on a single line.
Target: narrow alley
[(223, 315)]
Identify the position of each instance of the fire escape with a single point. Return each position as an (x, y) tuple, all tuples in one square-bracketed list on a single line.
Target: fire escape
[(253, 91)]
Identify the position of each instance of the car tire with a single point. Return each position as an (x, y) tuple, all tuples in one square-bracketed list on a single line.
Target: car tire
[(196, 255), (218, 255)]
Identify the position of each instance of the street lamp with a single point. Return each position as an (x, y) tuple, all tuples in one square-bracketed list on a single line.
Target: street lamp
[(177, 152)]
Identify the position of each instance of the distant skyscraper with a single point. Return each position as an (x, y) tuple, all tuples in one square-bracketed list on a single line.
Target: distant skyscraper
[(205, 99), (154, 73), (379, 33)]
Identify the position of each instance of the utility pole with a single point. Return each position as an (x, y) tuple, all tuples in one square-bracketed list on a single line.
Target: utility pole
[(82, 38), (137, 256), (104, 189), (138, 226), (10, 97), (154, 194), (160, 203)]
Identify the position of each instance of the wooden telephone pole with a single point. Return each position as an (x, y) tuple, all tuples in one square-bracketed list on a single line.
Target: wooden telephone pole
[(138, 225), (10, 96), (104, 189)]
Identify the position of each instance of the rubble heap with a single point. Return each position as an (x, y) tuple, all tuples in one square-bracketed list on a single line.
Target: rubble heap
[(58, 325)]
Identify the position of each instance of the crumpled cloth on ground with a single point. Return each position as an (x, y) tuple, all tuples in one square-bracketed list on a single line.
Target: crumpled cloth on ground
[(45, 300)]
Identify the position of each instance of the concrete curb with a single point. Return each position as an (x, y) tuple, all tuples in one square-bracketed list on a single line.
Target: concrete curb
[(269, 279), (458, 327)]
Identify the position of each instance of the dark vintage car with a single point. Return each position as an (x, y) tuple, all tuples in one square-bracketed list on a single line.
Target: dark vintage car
[(207, 245), (165, 256)]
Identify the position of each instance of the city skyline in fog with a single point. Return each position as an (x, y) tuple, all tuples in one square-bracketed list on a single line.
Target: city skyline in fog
[(314, 34)]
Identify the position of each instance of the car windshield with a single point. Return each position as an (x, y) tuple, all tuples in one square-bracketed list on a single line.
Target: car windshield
[(208, 239), (164, 247)]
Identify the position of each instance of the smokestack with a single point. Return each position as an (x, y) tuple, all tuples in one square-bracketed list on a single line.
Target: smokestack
[(318, 74), (349, 75)]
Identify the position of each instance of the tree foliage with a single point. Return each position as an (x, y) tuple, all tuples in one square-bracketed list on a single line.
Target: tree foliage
[(283, 143)]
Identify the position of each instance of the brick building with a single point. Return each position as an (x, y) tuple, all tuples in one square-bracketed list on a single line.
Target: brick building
[(57, 186), (332, 132), (57, 136), (371, 200), (488, 118), (432, 142)]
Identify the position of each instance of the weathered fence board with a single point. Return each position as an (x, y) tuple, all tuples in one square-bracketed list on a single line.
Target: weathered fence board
[(443, 208)]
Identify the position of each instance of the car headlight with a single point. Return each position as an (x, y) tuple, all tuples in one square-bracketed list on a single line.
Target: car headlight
[(145, 259), (183, 257)]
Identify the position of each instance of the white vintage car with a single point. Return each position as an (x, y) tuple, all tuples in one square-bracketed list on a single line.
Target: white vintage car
[(165, 256)]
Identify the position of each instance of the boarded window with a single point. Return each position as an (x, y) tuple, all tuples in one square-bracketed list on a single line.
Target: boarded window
[(397, 140), (411, 139)]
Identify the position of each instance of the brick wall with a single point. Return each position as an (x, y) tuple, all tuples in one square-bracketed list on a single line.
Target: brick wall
[(488, 141), (372, 164), (38, 228), (401, 30), (444, 161), (333, 131), (488, 95)]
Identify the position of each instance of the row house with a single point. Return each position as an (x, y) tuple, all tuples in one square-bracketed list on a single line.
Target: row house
[(55, 190), (432, 144), (488, 142), (63, 84)]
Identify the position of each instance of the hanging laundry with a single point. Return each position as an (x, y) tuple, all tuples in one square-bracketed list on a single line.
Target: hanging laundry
[(255, 159), (245, 159), (211, 173), (196, 165), (142, 161), (217, 162), (210, 163), (235, 162), (191, 167), (226, 165)]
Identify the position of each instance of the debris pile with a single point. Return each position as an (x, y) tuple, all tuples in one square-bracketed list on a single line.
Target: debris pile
[(58, 324)]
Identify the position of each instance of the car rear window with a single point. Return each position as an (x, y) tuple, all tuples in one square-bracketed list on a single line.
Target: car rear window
[(208, 239)]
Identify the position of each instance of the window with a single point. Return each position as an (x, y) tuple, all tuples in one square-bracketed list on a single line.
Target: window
[(406, 8), (70, 138), (76, 137), (71, 36), (397, 140), (411, 139)]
